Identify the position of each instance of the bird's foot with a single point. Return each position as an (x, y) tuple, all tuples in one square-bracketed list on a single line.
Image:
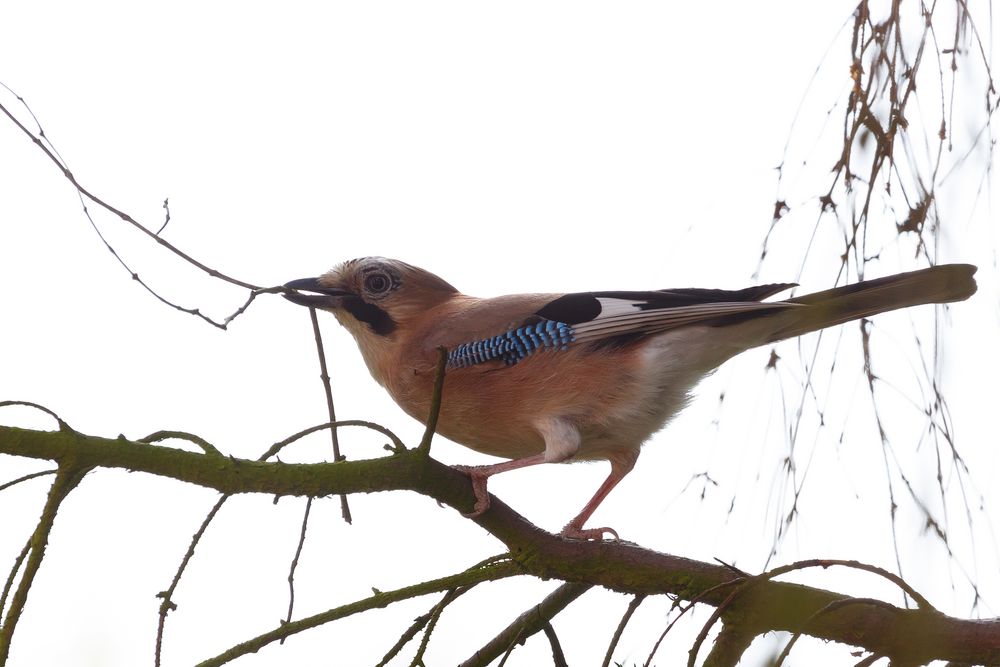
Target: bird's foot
[(478, 479), (575, 532)]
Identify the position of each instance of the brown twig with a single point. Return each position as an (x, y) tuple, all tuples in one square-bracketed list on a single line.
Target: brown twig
[(25, 478), (168, 605), (159, 436), (345, 509), (398, 445), (703, 595), (558, 657), (379, 600), (729, 646), (84, 192), (432, 418), (433, 617), (887, 56), (418, 623), (615, 638), (527, 624), (295, 561), (39, 138)]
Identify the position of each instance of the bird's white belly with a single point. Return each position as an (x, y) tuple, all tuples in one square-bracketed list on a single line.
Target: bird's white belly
[(670, 365)]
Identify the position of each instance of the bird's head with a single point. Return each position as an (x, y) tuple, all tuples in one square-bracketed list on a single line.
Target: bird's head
[(372, 296)]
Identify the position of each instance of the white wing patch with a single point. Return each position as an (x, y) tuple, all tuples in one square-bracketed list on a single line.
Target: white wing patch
[(616, 307)]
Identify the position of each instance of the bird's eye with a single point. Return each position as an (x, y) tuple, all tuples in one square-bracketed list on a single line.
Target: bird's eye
[(377, 283)]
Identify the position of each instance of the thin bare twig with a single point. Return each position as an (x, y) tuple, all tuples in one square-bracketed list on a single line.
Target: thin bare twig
[(39, 138), (615, 638), (432, 620), (398, 445), (432, 418), (558, 657), (345, 509), (84, 192), (166, 217), (435, 612), (382, 599), (877, 168), (25, 478), (295, 562), (63, 426), (527, 624), (167, 605), (12, 575), (159, 436), (418, 623), (730, 645), (695, 600)]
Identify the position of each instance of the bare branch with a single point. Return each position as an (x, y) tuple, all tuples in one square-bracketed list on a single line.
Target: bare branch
[(295, 561), (632, 606), (12, 575), (558, 657), (397, 444), (418, 623), (432, 418), (25, 478), (159, 436), (63, 426), (432, 620), (470, 577), (111, 209), (732, 641), (902, 634), (168, 605), (67, 478), (836, 604), (527, 624), (345, 509)]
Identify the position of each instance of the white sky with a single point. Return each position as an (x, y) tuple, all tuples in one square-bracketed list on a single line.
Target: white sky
[(508, 148)]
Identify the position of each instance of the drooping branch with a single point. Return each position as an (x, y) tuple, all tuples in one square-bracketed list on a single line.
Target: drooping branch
[(762, 605)]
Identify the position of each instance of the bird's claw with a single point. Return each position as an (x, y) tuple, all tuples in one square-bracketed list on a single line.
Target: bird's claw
[(479, 488), (575, 532)]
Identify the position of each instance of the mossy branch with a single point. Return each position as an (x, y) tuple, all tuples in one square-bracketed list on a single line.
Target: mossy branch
[(492, 572), (911, 635)]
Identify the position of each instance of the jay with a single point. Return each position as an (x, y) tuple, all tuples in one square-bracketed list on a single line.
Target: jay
[(549, 378)]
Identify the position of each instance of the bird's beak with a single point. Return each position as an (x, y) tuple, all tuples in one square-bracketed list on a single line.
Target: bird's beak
[(324, 297)]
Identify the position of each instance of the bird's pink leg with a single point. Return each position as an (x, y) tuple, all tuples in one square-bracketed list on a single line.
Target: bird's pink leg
[(480, 474), (575, 529)]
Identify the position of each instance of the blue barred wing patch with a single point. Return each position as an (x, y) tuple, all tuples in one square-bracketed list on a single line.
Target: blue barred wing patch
[(514, 345)]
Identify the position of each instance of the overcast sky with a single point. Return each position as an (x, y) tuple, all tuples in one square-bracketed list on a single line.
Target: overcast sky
[(511, 147)]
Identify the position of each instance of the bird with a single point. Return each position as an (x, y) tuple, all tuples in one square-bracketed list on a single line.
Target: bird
[(586, 376)]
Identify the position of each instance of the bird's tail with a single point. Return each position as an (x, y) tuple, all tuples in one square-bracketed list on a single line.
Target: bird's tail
[(937, 284)]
